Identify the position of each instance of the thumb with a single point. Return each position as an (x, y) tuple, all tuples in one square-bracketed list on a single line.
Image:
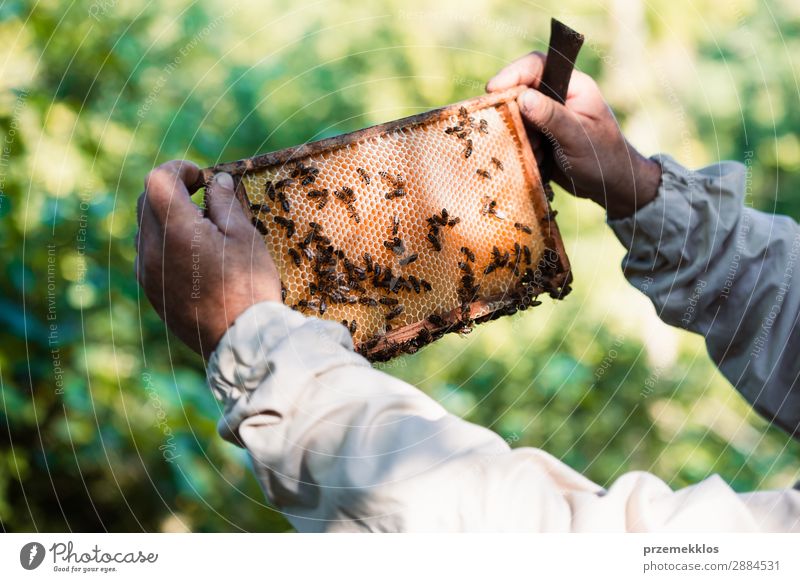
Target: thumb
[(547, 115), (224, 208)]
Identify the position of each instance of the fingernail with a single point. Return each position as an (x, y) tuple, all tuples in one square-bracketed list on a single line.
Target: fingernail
[(224, 180), (528, 99), (490, 84)]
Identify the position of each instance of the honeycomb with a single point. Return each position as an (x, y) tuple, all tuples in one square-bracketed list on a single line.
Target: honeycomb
[(406, 228)]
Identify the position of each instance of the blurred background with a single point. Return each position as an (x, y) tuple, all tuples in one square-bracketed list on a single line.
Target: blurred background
[(105, 419)]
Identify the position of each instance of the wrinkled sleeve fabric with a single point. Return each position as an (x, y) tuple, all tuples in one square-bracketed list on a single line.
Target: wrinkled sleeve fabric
[(713, 265), (340, 446)]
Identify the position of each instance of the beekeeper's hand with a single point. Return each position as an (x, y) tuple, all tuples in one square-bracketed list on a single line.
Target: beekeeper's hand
[(199, 273), (593, 158)]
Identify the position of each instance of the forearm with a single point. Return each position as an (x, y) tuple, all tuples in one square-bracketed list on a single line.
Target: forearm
[(712, 266), (338, 446)]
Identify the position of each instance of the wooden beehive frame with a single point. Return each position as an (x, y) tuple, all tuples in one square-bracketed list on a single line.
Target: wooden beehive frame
[(554, 268)]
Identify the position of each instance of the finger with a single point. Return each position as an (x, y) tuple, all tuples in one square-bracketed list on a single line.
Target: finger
[(224, 208), (140, 218), (526, 70), (546, 114), (147, 229), (166, 191)]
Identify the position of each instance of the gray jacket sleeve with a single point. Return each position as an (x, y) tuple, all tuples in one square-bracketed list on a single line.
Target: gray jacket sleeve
[(713, 265)]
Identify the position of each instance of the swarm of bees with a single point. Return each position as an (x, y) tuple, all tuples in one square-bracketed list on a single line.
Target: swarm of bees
[(386, 278)]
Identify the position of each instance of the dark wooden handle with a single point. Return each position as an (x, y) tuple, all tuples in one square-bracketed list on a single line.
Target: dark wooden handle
[(565, 44)]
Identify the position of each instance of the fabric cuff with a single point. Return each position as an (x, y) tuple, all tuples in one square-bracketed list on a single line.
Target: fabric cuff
[(240, 361), (666, 218)]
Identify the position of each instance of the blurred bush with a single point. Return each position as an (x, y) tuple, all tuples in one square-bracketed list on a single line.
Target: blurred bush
[(106, 420)]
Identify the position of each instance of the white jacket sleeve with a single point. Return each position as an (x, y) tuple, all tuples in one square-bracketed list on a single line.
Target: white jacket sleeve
[(714, 266), (339, 446)]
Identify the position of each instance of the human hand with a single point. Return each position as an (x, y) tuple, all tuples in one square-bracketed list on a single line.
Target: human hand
[(199, 273), (593, 158)]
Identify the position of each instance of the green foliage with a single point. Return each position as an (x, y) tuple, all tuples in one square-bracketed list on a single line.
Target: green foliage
[(105, 419)]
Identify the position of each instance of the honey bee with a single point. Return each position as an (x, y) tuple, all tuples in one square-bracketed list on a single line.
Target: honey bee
[(318, 193), (483, 173), (408, 259), (424, 336), (395, 245), (393, 349), (323, 307), (483, 126), (523, 227), (453, 221), (469, 254), (500, 258), (527, 252), (344, 194), (436, 320), (353, 327), (353, 212), (488, 206), (425, 285), (396, 193), (269, 189), (390, 301), (260, 226), (414, 283), (369, 301), (260, 208), (364, 175), (295, 256), (468, 149), (497, 164), (368, 262), (394, 313), (281, 184), (435, 242), (368, 345), (287, 224), (395, 225), (283, 200)]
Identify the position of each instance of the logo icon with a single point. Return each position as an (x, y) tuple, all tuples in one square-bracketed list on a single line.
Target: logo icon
[(31, 555)]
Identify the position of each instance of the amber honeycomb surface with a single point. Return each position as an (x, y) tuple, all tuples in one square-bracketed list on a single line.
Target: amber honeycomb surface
[(435, 172)]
